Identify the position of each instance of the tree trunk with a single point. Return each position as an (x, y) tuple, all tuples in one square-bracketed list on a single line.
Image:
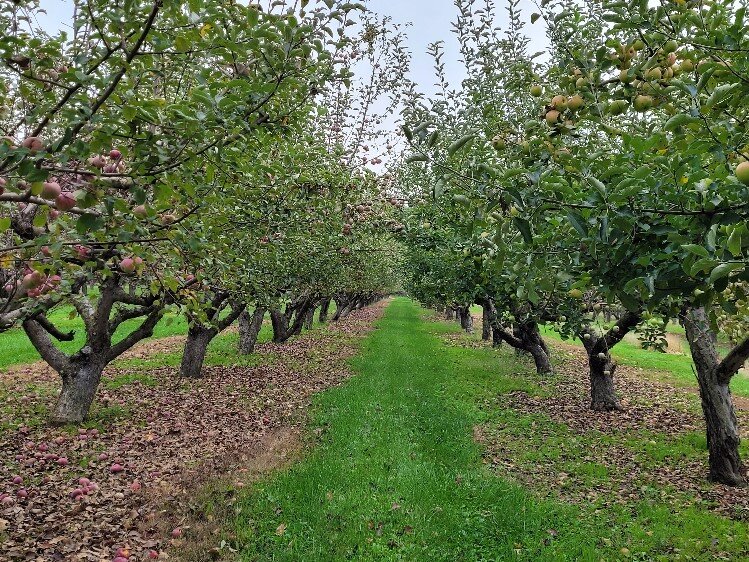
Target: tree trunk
[(249, 328), (280, 325), (533, 343), (720, 418), (466, 321), (324, 310), (603, 396), (79, 386), (449, 313), (486, 327), (309, 318), (196, 346), (496, 338)]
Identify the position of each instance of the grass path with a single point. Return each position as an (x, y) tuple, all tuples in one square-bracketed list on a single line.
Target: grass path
[(393, 473), (396, 474)]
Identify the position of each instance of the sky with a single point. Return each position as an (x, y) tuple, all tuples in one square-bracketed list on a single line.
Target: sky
[(430, 21)]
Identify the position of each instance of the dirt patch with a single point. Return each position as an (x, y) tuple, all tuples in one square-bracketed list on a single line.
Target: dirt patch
[(168, 437)]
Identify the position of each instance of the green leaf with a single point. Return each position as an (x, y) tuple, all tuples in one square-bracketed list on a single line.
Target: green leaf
[(578, 222), (723, 270), (734, 242), (697, 250), (416, 158), (525, 229), (460, 143)]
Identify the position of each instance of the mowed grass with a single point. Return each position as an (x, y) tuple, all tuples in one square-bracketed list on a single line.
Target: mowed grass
[(674, 368), (16, 349), (393, 473)]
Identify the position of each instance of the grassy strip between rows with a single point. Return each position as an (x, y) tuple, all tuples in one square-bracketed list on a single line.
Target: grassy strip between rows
[(395, 474)]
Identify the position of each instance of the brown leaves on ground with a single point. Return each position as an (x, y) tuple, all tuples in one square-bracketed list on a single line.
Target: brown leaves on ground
[(168, 436), (653, 450)]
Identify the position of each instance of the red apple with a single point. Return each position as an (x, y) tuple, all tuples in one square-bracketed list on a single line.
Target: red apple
[(127, 265), (115, 154), (65, 201), (32, 143), (115, 468), (177, 533), (50, 190), (17, 480), (63, 461)]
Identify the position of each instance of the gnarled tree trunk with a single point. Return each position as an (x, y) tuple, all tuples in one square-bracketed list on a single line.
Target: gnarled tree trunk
[(324, 310), (199, 336), (309, 318), (249, 328), (601, 366), (79, 384), (196, 347), (486, 327), (714, 377), (449, 313)]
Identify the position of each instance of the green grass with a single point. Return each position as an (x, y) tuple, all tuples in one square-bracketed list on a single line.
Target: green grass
[(16, 349), (675, 368), (396, 475)]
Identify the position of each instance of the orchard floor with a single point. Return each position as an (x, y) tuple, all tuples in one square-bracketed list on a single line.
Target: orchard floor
[(438, 448), (173, 437), (442, 448)]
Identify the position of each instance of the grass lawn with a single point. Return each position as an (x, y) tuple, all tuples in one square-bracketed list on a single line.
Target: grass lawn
[(674, 368), (393, 473)]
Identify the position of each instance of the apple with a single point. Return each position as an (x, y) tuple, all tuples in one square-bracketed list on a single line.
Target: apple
[(84, 481), (177, 533), (115, 154), (97, 161), (65, 201), (576, 293), (587, 336), (575, 102), (17, 480), (643, 103), (559, 102), (654, 74), (602, 356), (552, 116), (618, 107), (33, 143), (140, 211), (115, 468), (127, 265), (62, 461), (50, 190), (135, 486), (536, 90), (742, 173), (153, 555)]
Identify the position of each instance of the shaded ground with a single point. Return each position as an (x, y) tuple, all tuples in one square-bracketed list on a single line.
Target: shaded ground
[(550, 441), (169, 436)]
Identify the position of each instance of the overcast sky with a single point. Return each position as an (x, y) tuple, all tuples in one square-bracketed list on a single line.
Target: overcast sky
[(430, 21)]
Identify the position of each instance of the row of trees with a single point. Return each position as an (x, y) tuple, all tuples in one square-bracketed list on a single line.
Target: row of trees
[(179, 158), (609, 178)]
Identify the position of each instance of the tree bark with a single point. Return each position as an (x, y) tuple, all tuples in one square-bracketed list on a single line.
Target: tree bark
[(601, 367), (324, 310), (465, 319), (196, 346), (280, 325), (79, 384), (486, 327), (714, 377), (249, 328), (309, 318)]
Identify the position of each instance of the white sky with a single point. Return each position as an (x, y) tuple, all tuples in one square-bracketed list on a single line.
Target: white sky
[(430, 21)]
